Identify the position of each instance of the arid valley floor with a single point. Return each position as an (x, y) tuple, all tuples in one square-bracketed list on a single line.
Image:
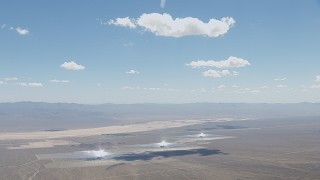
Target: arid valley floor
[(284, 148)]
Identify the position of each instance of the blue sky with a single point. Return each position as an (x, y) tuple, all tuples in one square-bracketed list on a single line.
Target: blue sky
[(138, 51)]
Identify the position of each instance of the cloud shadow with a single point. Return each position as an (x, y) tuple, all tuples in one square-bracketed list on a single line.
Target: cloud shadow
[(166, 154)]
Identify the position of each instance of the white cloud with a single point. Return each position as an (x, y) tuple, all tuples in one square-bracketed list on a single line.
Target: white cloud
[(235, 86), (10, 79), (153, 89), (22, 31), (1, 82), (280, 79), (124, 22), (72, 66), (231, 62), (218, 74), (165, 25), (162, 3), (149, 89), (264, 87), (3, 26), (30, 84), (130, 88), (318, 78), (59, 81), (160, 89), (133, 72), (235, 73), (282, 86)]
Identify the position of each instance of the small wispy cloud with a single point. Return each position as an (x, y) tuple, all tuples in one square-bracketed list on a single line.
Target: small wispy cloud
[(10, 79), (34, 84), (1, 82), (130, 88), (72, 66), (149, 89), (222, 86), (318, 78), (282, 86), (19, 30), (218, 74), (280, 79), (231, 62), (153, 89), (22, 31), (124, 22), (132, 72), (59, 81), (162, 3), (247, 90)]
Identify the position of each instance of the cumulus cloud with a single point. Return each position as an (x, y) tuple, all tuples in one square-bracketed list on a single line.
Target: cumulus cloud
[(30, 84), (218, 74), (10, 79), (280, 79), (165, 25), (22, 31), (124, 22), (133, 72), (59, 81), (231, 62), (72, 66), (162, 3), (318, 78)]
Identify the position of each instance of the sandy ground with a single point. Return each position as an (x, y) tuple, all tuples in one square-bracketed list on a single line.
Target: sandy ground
[(131, 128), (149, 126), (43, 144)]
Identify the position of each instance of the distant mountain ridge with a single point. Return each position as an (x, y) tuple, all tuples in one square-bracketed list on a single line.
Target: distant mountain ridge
[(46, 116)]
